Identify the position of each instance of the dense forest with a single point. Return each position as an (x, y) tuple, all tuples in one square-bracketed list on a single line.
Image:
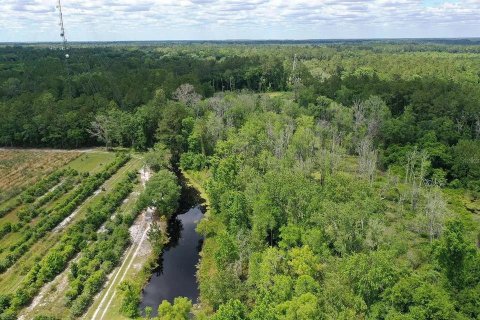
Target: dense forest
[(340, 176), (430, 92)]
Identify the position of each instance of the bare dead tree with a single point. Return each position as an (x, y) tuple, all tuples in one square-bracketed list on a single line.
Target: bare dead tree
[(242, 238), (283, 140), (329, 149), (186, 93), (215, 128), (101, 128), (375, 111), (415, 171), (367, 160), (435, 211), (410, 165), (358, 114), (295, 80), (369, 116), (325, 159), (335, 147), (459, 125), (217, 105), (460, 122)]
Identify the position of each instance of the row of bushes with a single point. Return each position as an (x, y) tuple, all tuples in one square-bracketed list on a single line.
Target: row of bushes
[(6, 228), (26, 214), (38, 189), (42, 186), (90, 273), (71, 243), (68, 183), (60, 212)]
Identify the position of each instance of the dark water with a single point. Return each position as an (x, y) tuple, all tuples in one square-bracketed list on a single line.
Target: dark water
[(176, 273)]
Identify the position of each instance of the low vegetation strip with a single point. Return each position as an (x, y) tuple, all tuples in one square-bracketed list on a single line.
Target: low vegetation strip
[(56, 192), (102, 257), (8, 208), (27, 213), (60, 212), (72, 242), (35, 191), (42, 187)]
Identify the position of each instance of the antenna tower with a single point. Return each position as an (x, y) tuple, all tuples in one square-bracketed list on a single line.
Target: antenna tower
[(64, 48), (62, 28)]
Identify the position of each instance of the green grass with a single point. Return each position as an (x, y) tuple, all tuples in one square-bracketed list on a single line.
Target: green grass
[(198, 180), (10, 217), (8, 202), (280, 94), (92, 162)]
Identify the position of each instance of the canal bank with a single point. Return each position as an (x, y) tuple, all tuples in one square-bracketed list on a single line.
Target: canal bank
[(175, 274)]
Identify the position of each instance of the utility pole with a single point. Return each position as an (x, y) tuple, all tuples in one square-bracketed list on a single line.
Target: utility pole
[(68, 85), (62, 29)]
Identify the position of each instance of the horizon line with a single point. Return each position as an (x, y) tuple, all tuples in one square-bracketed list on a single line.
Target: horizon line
[(246, 39)]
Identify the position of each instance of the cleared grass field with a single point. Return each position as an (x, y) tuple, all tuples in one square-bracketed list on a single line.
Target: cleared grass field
[(92, 161), (21, 168)]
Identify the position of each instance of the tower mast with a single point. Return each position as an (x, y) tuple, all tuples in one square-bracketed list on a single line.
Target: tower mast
[(62, 28), (68, 87)]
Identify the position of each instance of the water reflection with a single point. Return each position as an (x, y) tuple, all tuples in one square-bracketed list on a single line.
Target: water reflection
[(176, 274)]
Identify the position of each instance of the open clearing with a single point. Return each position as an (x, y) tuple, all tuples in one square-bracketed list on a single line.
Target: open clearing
[(21, 168)]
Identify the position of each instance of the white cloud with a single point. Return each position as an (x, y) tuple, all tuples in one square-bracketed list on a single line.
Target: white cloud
[(37, 20)]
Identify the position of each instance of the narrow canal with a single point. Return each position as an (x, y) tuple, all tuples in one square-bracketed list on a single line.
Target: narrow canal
[(175, 275)]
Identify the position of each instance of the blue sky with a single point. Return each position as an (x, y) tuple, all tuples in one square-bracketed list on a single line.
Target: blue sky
[(110, 20)]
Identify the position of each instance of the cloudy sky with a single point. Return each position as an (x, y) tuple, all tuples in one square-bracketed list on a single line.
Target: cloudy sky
[(99, 20)]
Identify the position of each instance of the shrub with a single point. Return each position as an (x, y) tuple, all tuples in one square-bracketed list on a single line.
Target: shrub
[(193, 161), (130, 298)]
